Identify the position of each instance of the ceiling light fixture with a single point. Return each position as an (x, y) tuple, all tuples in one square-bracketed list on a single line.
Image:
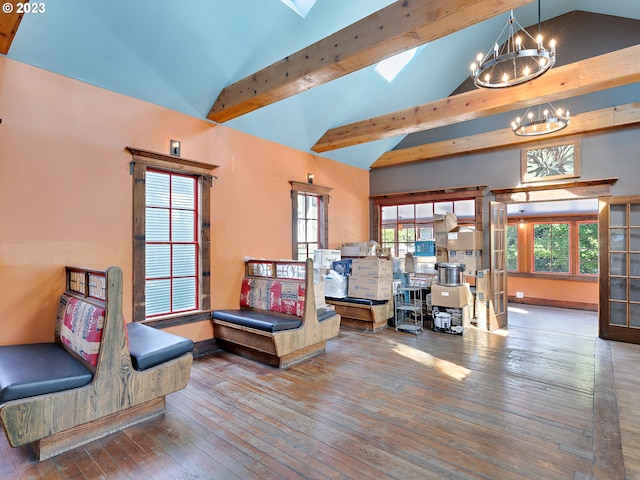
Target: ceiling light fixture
[(547, 120), (513, 59)]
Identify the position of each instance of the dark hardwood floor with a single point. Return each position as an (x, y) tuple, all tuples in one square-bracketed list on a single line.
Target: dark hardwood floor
[(543, 399)]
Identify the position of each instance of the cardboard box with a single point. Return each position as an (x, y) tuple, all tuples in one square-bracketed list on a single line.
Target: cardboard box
[(442, 255), (372, 288), (355, 249), (372, 267), (483, 284), (454, 297), (482, 314), (444, 223), (324, 258), (441, 239), (465, 238), (472, 260)]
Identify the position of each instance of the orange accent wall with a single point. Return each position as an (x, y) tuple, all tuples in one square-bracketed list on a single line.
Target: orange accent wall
[(66, 193), (549, 289)]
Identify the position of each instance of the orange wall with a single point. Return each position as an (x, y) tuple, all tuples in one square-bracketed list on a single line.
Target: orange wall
[(549, 289), (65, 193)]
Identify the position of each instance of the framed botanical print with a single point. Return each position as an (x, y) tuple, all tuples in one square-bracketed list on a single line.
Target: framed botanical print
[(555, 161)]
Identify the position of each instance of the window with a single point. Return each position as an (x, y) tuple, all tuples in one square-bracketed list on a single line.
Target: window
[(171, 232), (171, 243), (308, 231), (403, 225), (588, 248), (512, 248), (390, 67), (564, 247), (309, 219), (551, 248)]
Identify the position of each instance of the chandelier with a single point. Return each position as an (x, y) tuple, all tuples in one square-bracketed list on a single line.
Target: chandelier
[(545, 121), (515, 58)]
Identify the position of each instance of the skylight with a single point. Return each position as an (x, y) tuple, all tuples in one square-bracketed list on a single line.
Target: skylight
[(301, 7), (392, 66)]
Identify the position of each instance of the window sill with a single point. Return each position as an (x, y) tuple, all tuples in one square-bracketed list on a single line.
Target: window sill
[(178, 319), (556, 276)]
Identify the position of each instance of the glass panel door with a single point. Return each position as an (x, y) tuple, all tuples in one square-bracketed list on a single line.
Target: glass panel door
[(619, 226), (498, 254)]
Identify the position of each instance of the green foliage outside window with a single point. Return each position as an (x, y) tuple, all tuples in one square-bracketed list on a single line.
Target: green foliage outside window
[(588, 239), (512, 247), (551, 247)]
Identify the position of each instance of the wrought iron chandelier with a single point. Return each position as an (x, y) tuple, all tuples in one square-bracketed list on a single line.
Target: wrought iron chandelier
[(514, 59), (545, 121)]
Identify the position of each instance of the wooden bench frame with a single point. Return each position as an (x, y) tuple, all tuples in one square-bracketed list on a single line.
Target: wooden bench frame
[(371, 318), (118, 395), (287, 347)]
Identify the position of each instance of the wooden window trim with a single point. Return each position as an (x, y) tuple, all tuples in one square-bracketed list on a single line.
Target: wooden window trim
[(323, 220), (474, 192), (525, 245), (142, 160)]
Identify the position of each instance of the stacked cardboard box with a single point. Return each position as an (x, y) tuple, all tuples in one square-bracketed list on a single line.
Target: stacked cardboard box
[(371, 278), (464, 245), (442, 225)]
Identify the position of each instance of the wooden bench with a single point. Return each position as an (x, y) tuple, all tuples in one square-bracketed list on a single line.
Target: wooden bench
[(88, 383), (363, 314), (277, 322)]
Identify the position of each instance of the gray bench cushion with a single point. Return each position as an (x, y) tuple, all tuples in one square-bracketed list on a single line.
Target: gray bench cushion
[(149, 346), (258, 320), (39, 368)]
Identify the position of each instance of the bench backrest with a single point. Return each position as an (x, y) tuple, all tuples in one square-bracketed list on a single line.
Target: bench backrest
[(79, 327), (273, 295)]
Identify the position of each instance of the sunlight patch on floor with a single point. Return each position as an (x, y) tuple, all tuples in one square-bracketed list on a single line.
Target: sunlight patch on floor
[(456, 372)]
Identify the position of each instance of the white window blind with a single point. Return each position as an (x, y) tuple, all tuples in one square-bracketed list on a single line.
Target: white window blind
[(171, 243)]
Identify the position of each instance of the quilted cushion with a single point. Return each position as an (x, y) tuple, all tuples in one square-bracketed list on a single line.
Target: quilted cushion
[(278, 296), (149, 346), (39, 368), (79, 327), (258, 320)]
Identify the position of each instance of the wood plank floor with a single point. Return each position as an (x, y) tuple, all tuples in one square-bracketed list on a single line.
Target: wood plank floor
[(534, 401)]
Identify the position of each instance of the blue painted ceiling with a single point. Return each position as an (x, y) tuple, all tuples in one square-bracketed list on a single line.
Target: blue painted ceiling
[(180, 55)]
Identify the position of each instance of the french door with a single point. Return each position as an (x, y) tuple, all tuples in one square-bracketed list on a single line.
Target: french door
[(498, 268), (619, 239)]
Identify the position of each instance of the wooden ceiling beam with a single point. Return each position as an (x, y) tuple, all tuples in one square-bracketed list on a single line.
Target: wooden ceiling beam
[(9, 23), (398, 27), (606, 71), (585, 122)]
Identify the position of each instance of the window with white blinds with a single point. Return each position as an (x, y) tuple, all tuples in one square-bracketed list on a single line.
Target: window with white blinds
[(171, 243)]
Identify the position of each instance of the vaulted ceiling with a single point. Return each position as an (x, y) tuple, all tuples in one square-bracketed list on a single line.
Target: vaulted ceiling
[(310, 83)]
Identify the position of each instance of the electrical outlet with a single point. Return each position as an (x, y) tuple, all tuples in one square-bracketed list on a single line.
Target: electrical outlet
[(519, 294)]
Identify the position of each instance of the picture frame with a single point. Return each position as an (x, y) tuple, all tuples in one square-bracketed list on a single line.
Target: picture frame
[(554, 161)]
